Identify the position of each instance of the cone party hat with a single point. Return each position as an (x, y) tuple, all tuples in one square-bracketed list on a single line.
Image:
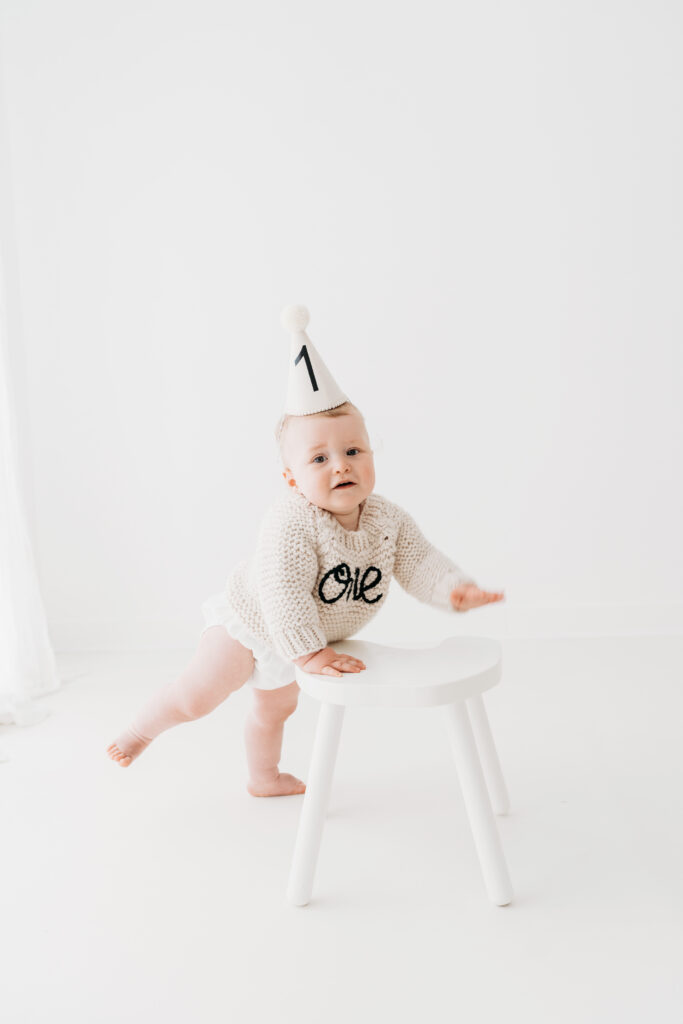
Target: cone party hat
[(311, 387)]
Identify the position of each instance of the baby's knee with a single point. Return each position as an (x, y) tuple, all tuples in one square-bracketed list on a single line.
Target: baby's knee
[(276, 705), (205, 685)]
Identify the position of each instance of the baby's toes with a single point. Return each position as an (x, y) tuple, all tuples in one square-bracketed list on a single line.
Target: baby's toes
[(291, 785), (116, 754)]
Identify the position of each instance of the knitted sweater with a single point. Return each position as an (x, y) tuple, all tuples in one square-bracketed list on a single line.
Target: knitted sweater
[(311, 582)]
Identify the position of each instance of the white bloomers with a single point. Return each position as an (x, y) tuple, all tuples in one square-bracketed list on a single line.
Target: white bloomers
[(271, 671)]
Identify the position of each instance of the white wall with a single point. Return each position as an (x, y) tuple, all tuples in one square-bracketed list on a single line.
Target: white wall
[(481, 206)]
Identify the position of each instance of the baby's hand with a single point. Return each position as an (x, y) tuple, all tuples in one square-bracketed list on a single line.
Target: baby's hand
[(468, 595), (330, 663)]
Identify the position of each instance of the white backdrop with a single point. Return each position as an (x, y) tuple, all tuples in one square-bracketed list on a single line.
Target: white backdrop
[(479, 203)]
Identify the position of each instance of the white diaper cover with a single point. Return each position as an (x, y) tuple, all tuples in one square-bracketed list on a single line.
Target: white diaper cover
[(271, 671)]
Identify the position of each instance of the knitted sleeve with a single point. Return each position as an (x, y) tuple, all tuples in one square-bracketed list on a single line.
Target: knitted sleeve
[(422, 569), (286, 572)]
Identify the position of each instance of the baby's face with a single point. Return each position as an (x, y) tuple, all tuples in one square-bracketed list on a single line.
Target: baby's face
[(321, 452)]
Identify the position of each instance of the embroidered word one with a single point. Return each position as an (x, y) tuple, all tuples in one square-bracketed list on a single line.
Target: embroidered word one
[(340, 581)]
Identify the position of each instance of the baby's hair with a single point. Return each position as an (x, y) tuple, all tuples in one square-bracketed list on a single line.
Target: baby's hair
[(280, 429)]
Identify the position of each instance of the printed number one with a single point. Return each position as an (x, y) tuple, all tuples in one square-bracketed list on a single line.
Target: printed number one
[(304, 353)]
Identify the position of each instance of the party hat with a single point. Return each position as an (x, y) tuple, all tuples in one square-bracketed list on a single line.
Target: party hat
[(311, 387)]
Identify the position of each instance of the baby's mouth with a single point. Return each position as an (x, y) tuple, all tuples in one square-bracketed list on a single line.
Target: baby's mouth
[(347, 483)]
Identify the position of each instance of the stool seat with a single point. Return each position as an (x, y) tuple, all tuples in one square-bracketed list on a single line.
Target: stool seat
[(457, 668), (453, 674)]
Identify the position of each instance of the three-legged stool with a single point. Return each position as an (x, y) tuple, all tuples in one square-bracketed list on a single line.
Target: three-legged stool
[(454, 675)]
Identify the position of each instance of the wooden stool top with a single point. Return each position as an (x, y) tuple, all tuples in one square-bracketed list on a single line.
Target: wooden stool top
[(457, 668)]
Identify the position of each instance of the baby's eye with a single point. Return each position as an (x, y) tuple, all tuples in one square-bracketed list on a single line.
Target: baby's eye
[(318, 457), (351, 450)]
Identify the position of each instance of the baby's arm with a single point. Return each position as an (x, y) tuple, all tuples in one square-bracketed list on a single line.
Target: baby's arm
[(286, 571), (430, 576)]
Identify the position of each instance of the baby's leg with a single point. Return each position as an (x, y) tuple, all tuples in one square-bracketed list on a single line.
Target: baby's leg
[(220, 665), (263, 731)]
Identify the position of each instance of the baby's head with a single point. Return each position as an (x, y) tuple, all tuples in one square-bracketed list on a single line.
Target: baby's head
[(321, 450)]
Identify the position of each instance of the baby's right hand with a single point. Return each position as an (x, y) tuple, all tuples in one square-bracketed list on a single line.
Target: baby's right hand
[(330, 663)]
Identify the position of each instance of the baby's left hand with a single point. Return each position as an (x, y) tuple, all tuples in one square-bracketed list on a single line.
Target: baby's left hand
[(469, 595)]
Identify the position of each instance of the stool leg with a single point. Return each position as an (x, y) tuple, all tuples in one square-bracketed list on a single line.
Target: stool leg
[(315, 802), (488, 754), (476, 797)]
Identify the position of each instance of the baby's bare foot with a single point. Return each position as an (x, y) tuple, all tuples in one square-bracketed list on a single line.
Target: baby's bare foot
[(283, 785), (127, 747)]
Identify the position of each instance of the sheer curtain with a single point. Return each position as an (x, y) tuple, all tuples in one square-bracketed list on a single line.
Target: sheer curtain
[(27, 663)]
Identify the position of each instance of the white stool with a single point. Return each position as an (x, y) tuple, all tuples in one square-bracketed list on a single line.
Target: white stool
[(454, 675)]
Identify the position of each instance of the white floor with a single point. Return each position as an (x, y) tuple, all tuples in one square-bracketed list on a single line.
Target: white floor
[(158, 892)]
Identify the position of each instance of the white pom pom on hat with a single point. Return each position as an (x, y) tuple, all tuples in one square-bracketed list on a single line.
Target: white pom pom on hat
[(311, 387), (294, 318)]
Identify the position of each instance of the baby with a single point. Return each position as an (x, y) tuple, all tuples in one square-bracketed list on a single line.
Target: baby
[(326, 552)]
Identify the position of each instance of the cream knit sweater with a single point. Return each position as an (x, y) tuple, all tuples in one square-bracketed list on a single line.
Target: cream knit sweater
[(311, 582)]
